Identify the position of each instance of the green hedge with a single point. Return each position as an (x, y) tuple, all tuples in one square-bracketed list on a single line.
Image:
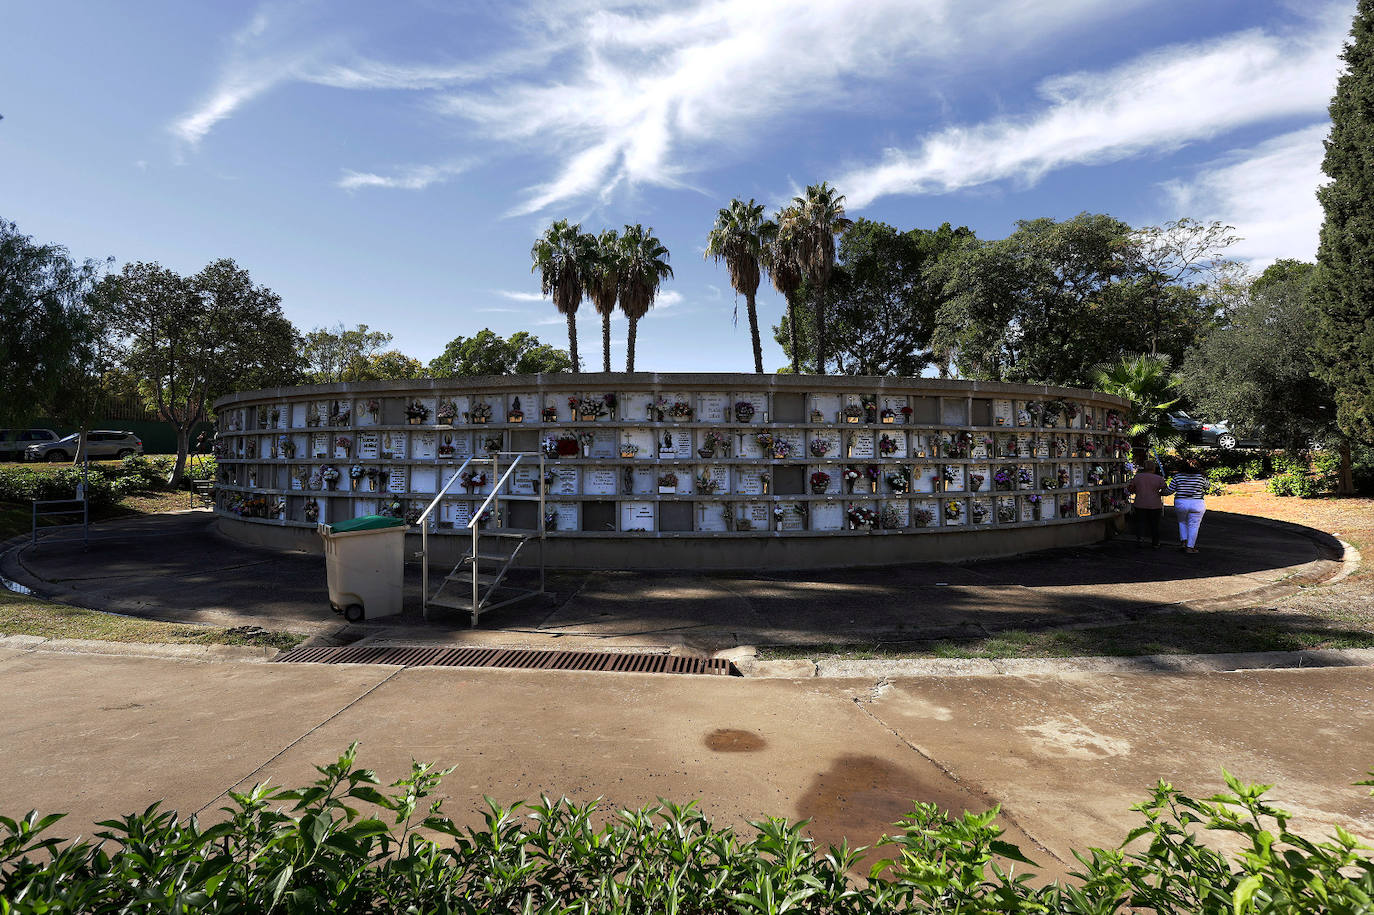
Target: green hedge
[(320, 849), (24, 484)]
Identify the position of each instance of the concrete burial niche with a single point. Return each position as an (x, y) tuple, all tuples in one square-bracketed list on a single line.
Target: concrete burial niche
[(685, 471)]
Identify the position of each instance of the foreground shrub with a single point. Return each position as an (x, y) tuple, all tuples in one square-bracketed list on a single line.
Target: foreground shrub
[(139, 473), (318, 849)]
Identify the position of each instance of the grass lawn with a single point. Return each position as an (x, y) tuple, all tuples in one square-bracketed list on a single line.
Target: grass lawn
[(22, 615), (1317, 616)]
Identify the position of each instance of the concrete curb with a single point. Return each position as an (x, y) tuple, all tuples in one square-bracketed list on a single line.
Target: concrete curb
[(207, 653), (1030, 667)]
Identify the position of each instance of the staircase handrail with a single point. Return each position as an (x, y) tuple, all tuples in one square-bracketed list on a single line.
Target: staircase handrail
[(424, 515), (496, 489), (424, 536)]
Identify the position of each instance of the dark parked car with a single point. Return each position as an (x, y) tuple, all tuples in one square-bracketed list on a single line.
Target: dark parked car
[(1191, 429), (14, 441), (110, 443), (1224, 437)]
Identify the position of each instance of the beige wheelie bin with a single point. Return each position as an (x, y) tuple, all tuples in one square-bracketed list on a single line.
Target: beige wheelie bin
[(365, 562)]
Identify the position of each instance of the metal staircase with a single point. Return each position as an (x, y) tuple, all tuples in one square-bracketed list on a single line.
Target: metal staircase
[(478, 581)]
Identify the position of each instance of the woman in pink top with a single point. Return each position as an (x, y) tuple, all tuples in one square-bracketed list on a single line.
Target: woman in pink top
[(1147, 487)]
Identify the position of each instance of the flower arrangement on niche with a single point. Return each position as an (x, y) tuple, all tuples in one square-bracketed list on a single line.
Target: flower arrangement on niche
[(954, 510), (1024, 478), (680, 410), (312, 511), (906, 412), (330, 475), (479, 413), (744, 411), (888, 415), (667, 482), (344, 444), (416, 413), (887, 446), (781, 449), (921, 517), (975, 481), (889, 519), (1002, 478), (820, 482), (851, 476), (980, 512), (852, 413), (446, 413), (899, 481), (707, 484), (356, 473), (820, 447), (473, 480), (859, 518), (1006, 511), (712, 442), (628, 449)]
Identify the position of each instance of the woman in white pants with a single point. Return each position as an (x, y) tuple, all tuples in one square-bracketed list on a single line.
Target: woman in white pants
[(1190, 493)]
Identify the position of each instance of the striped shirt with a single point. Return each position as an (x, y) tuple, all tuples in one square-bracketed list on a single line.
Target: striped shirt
[(1188, 485)]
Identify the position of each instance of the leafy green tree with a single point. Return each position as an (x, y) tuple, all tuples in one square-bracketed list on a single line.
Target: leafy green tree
[(1258, 370), (1343, 337), (47, 328), (338, 353), (488, 353), (190, 340), (392, 365), (740, 238), (820, 218), (562, 257), (882, 300), (644, 267), (783, 266), (1054, 299), (603, 285)]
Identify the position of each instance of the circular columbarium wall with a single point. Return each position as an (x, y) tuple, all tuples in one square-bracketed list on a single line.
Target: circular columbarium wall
[(685, 471)]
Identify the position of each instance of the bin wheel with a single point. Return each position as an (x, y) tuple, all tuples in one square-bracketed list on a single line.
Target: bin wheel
[(354, 613)]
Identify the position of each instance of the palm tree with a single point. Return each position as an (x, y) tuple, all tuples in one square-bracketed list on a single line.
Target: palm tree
[(739, 238), (644, 266), (561, 256), (784, 270), (821, 218), (603, 286), (1148, 384)]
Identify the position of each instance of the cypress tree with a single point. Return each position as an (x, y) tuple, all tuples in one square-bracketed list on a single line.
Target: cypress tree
[(1344, 291)]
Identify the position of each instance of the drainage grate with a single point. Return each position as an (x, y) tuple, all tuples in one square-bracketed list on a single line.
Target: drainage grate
[(517, 658)]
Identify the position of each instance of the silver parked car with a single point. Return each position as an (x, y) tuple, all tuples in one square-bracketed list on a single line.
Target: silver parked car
[(101, 443), (14, 441)]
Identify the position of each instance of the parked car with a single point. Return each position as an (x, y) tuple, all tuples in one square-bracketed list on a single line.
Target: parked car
[(100, 443), (14, 441), (1224, 437), (1189, 428)]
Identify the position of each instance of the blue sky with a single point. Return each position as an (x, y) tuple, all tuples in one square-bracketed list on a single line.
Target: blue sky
[(391, 164)]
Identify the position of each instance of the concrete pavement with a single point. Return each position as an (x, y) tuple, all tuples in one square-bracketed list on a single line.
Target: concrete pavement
[(1065, 754), (174, 567)]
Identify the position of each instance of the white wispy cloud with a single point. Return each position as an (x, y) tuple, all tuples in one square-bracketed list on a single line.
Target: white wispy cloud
[(655, 87), (1268, 192), (1157, 102), (410, 178), (518, 296)]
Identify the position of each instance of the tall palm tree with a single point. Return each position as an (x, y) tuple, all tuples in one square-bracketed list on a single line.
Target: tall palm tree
[(561, 256), (603, 286), (784, 269), (644, 266), (821, 218), (739, 238)]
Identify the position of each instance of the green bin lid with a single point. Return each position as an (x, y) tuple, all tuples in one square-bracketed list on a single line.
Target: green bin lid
[(366, 523)]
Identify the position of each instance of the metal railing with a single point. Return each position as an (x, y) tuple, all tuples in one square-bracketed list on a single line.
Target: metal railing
[(84, 511), (424, 534), (493, 501)]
